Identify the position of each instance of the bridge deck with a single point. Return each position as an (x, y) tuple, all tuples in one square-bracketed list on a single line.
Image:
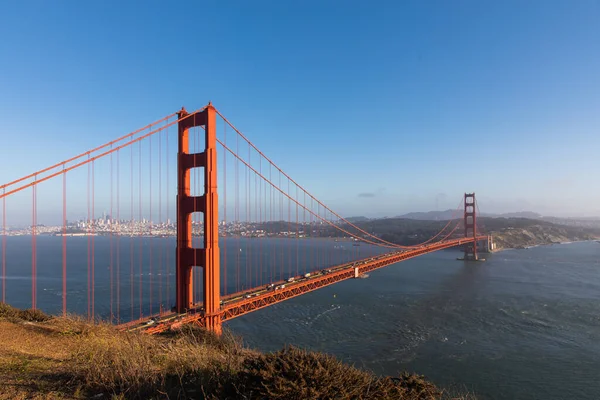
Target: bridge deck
[(242, 303)]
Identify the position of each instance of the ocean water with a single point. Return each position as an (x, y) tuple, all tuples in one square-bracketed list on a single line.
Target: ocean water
[(525, 324)]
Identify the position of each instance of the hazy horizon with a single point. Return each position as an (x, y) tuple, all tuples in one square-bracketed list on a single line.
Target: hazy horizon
[(15, 221), (377, 111)]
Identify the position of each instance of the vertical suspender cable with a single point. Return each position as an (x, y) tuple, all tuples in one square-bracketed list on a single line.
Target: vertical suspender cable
[(4, 233), (89, 244), (64, 247), (118, 221), (160, 224), (139, 230), (110, 217), (34, 247), (225, 241), (150, 241), (131, 244), (168, 270), (93, 241)]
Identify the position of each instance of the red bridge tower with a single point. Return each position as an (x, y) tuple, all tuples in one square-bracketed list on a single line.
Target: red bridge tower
[(208, 204), (470, 227)]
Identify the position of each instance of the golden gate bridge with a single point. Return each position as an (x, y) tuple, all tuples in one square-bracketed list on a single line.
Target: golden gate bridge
[(241, 226)]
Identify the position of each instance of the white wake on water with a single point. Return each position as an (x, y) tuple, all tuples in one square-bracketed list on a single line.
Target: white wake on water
[(323, 313)]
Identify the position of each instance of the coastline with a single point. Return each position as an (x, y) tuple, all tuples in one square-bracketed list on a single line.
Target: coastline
[(543, 245)]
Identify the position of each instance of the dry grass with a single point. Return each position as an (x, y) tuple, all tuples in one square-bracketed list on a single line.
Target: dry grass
[(50, 358), (32, 358), (14, 314), (140, 366)]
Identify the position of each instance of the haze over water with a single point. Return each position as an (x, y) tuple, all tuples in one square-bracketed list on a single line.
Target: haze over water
[(524, 324)]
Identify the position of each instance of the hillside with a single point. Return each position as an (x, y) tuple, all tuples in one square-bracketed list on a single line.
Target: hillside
[(447, 214), (511, 232), (507, 232), (67, 358), (522, 233)]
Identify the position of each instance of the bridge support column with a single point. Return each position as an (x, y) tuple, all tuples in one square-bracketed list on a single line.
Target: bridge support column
[(490, 244), (470, 222), (208, 204)]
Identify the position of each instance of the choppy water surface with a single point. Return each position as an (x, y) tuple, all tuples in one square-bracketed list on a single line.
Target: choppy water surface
[(523, 325)]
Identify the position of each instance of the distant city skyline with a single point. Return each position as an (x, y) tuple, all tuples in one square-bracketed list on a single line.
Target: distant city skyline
[(377, 111), (16, 221)]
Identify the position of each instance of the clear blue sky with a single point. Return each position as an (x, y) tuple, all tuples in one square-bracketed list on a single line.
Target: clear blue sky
[(407, 101)]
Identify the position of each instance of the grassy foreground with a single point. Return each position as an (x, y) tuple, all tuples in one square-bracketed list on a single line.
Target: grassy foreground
[(44, 357)]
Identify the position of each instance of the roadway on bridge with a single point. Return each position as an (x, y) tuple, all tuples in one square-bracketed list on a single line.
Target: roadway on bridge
[(241, 303)]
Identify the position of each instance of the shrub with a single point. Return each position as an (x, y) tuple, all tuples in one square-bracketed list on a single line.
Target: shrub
[(297, 374), (15, 314)]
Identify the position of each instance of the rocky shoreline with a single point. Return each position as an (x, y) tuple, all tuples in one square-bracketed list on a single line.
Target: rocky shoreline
[(538, 235)]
